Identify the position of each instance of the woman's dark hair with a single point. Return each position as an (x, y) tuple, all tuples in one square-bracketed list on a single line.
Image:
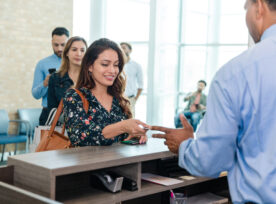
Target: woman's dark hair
[(85, 77), (65, 63)]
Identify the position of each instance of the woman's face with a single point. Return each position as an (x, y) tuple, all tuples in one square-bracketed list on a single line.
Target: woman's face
[(76, 53), (105, 68)]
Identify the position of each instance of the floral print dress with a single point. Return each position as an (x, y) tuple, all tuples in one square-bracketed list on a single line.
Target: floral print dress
[(86, 129)]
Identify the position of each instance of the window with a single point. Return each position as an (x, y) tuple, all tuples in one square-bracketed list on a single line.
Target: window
[(177, 43)]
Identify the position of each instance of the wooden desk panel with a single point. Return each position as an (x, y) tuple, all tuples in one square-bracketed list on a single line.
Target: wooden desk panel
[(63, 174)]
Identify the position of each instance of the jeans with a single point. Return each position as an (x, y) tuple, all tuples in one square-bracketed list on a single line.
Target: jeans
[(193, 119)]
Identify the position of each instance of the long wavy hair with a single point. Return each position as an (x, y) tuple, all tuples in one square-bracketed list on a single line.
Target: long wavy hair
[(85, 77), (65, 63)]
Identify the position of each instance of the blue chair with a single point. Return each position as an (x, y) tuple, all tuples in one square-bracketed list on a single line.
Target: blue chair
[(32, 116), (5, 138)]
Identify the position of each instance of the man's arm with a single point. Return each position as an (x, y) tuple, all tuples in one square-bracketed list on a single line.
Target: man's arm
[(38, 88), (140, 81), (214, 149), (139, 91), (189, 96)]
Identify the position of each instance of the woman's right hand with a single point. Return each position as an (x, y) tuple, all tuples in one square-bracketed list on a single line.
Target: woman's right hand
[(134, 127)]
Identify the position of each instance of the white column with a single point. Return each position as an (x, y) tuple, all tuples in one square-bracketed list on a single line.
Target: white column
[(97, 20), (151, 63)]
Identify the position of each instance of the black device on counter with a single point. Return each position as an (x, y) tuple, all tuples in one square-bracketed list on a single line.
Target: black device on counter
[(128, 183), (133, 141), (106, 181), (52, 70)]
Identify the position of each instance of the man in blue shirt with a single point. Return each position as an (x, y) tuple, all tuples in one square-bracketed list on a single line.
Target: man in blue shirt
[(41, 76), (238, 132)]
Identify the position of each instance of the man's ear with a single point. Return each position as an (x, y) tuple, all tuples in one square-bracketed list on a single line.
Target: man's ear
[(260, 9)]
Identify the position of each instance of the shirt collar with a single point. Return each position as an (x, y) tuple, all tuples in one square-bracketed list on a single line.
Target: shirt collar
[(269, 32), (55, 56)]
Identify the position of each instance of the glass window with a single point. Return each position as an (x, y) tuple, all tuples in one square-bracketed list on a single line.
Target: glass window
[(194, 28), (226, 53), (140, 55), (233, 29), (199, 6), (192, 40), (127, 20), (81, 13), (192, 67)]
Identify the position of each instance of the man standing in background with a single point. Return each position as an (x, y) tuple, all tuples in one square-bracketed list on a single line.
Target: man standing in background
[(60, 36), (134, 77)]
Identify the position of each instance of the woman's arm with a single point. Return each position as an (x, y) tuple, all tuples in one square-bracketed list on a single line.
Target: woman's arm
[(133, 127)]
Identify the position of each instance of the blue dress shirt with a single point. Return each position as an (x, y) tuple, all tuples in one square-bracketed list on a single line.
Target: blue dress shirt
[(41, 71), (238, 132)]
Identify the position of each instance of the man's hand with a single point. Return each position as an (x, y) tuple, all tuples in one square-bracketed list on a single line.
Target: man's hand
[(46, 81), (174, 137)]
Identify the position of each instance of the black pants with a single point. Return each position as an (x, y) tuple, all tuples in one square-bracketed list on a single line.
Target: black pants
[(43, 116)]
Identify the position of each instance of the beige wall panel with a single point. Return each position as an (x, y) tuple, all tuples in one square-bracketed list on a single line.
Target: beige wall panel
[(25, 38)]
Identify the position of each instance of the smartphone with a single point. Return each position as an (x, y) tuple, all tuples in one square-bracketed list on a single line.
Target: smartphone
[(131, 142), (52, 70)]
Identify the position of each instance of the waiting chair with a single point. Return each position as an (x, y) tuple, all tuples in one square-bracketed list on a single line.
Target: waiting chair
[(32, 116), (5, 138)]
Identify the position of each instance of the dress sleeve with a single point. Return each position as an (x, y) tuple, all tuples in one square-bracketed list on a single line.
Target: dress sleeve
[(83, 129)]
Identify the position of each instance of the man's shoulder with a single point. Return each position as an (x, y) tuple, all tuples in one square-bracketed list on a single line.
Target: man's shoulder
[(47, 59), (134, 63)]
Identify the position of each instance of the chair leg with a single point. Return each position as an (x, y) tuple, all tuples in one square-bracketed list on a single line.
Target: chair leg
[(15, 148), (3, 151)]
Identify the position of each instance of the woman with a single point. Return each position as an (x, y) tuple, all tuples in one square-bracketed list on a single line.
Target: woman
[(68, 73), (109, 116)]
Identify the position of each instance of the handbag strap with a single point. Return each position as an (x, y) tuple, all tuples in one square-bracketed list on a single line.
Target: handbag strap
[(51, 117), (60, 108)]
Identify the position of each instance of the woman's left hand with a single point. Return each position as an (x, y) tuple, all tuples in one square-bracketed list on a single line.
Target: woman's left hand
[(142, 138)]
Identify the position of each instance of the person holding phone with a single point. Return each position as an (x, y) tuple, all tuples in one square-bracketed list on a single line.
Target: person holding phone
[(41, 76), (68, 73), (109, 118)]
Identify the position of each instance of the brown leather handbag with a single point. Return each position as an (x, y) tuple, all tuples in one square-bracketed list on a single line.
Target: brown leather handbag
[(53, 140)]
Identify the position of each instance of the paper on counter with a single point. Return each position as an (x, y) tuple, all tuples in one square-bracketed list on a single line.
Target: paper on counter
[(154, 178)]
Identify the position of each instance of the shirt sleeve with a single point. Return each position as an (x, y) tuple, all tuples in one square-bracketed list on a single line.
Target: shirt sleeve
[(83, 129), (38, 89), (213, 150), (140, 80)]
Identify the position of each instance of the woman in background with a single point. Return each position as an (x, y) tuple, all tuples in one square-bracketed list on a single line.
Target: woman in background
[(101, 82), (68, 73)]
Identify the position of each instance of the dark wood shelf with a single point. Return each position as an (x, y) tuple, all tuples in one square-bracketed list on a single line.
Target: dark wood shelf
[(92, 195)]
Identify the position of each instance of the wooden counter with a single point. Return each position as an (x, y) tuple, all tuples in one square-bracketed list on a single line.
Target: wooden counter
[(63, 175)]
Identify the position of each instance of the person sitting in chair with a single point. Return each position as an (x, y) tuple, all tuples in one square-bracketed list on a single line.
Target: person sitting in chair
[(195, 108)]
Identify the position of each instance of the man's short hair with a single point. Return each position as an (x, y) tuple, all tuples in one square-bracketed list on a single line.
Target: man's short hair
[(271, 4), (127, 44), (202, 81), (60, 31)]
